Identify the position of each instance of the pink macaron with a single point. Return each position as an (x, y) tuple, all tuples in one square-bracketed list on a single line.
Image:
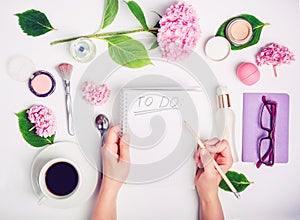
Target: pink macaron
[(248, 73)]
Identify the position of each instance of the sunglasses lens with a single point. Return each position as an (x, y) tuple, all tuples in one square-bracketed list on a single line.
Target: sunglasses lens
[(264, 148), (266, 117)]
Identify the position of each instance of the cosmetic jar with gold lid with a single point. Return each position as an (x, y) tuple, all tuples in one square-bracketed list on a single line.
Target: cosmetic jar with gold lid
[(239, 31)]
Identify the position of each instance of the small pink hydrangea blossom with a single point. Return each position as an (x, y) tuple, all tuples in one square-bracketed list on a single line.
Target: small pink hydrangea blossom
[(96, 95), (274, 54), (43, 119), (179, 31)]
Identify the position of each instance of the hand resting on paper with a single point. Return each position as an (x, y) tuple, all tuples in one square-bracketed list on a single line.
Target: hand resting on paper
[(116, 165), (207, 179)]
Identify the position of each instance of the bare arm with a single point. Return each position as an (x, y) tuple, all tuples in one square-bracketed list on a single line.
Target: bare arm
[(207, 178), (115, 171), (106, 205), (210, 209)]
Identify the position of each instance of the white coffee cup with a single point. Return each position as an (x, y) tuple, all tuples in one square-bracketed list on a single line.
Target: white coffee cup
[(59, 178)]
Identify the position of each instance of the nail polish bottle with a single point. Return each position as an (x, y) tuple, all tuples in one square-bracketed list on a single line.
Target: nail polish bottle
[(225, 120)]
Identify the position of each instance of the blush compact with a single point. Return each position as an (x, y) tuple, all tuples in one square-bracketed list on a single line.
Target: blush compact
[(41, 83)]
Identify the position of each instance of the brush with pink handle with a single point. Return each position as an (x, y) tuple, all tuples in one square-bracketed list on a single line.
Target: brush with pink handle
[(65, 71)]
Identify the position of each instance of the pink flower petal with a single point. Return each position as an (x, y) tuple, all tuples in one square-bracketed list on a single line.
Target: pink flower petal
[(179, 31), (274, 54), (96, 95), (43, 119)]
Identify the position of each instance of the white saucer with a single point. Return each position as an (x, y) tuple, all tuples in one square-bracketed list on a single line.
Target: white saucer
[(72, 152)]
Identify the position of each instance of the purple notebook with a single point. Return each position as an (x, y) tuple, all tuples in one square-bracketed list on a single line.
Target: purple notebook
[(252, 132)]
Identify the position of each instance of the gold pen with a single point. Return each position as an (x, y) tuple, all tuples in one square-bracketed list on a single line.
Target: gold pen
[(222, 174)]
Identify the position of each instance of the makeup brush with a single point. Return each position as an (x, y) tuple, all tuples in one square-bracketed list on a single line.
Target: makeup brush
[(65, 71)]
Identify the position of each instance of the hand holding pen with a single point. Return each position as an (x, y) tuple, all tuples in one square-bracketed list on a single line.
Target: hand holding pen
[(222, 155), (215, 150), (215, 155)]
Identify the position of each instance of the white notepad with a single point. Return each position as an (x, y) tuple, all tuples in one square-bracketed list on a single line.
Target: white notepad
[(159, 141)]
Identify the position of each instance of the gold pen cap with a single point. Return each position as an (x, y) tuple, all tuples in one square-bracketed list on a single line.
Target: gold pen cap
[(223, 99)]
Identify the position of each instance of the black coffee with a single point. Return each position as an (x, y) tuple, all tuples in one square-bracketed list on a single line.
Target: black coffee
[(61, 178)]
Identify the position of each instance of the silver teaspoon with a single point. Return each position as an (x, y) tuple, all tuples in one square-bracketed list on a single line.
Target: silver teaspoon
[(102, 124)]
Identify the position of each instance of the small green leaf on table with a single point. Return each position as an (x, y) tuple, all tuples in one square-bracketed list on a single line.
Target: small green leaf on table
[(238, 180), (110, 12), (128, 52), (138, 13), (29, 134), (34, 23), (257, 27)]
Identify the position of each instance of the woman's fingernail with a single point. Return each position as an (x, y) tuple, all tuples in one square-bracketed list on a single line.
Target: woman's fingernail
[(212, 148), (213, 141), (218, 145), (205, 157), (117, 128), (203, 152), (126, 137)]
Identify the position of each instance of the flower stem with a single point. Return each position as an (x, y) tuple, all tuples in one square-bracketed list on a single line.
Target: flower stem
[(33, 127), (100, 35), (274, 70)]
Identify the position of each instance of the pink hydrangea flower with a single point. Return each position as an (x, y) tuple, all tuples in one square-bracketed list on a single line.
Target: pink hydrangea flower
[(43, 119), (274, 54), (96, 95), (179, 31)]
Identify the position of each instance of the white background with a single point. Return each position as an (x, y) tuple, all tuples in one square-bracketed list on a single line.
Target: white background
[(275, 193)]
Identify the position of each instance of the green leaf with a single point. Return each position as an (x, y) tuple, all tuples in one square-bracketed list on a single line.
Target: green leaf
[(257, 27), (110, 12), (138, 13), (127, 52), (238, 180), (34, 23), (29, 135)]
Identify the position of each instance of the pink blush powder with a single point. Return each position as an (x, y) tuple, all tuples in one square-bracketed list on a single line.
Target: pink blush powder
[(42, 83)]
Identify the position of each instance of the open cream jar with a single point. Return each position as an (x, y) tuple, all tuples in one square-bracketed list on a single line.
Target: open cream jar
[(239, 31)]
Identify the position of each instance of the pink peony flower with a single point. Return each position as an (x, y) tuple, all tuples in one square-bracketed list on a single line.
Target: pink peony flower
[(179, 31), (274, 54), (43, 119), (96, 95)]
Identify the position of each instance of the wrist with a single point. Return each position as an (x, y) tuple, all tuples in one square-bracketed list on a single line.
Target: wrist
[(210, 207), (208, 197), (108, 192), (111, 185)]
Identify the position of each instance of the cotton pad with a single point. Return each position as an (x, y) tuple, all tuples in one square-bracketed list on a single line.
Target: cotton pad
[(217, 48), (20, 68)]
